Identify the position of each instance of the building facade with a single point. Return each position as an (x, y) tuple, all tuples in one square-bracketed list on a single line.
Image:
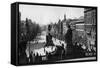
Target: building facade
[(78, 31), (90, 26)]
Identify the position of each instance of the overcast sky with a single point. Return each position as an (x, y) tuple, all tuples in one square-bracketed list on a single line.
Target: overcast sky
[(46, 14)]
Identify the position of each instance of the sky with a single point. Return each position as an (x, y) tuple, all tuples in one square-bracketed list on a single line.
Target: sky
[(46, 14)]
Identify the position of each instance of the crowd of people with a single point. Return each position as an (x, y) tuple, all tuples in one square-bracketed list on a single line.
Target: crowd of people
[(71, 50), (58, 49), (68, 39)]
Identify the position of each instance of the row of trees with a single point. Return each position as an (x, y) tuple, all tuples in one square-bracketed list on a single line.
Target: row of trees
[(28, 30)]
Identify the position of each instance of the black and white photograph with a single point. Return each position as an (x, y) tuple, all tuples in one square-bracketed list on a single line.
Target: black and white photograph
[(53, 34)]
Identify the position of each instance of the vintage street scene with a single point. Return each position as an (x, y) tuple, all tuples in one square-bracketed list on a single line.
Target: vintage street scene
[(50, 34)]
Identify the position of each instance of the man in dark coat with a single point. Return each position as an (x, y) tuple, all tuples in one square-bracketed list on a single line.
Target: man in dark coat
[(68, 35), (68, 40)]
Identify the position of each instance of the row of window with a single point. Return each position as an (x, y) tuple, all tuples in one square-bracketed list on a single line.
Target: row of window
[(90, 17)]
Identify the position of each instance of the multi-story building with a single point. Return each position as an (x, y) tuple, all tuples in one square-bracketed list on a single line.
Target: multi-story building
[(90, 25), (90, 22), (59, 28), (77, 26)]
